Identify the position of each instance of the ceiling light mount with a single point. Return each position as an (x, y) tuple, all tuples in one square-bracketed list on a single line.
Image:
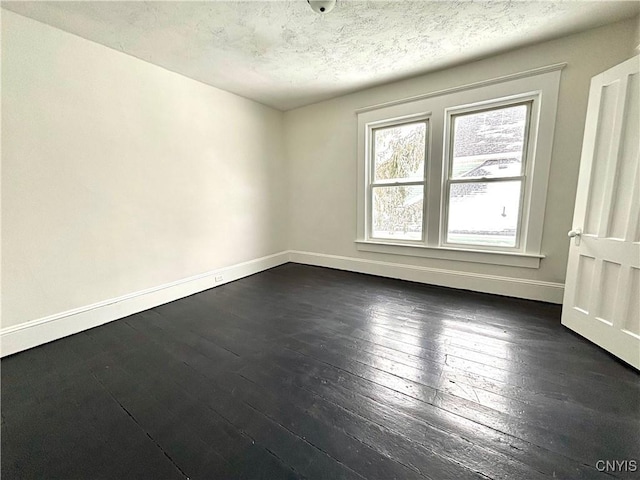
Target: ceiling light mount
[(322, 6)]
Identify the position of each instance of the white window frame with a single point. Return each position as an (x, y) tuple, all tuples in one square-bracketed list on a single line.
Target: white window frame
[(540, 86), (526, 177), (370, 168)]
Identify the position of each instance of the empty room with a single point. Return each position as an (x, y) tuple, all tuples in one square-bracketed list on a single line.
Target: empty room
[(382, 239)]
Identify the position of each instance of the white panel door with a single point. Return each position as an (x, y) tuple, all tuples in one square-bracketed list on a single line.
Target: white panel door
[(602, 291)]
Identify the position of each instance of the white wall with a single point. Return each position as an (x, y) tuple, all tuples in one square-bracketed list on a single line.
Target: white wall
[(320, 142), (119, 176)]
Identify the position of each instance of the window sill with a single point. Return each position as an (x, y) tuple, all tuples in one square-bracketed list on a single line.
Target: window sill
[(526, 260)]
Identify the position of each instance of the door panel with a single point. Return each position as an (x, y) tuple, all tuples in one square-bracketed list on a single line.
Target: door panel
[(603, 274), (623, 189), (634, 306), (604, 136), (608, 287)]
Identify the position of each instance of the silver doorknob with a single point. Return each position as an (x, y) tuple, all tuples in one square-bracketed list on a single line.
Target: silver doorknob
[(575, 234)]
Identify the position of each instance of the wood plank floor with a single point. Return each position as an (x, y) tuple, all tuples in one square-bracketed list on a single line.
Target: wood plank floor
[(306, 372)]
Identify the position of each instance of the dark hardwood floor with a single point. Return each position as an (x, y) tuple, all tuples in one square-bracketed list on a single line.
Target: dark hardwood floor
[(306, 372)]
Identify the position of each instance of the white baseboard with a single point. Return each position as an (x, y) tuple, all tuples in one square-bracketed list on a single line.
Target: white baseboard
[(30, 334), (43, 330), (508, 286)]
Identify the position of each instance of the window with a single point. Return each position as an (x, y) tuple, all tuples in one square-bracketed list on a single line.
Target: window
[(485, 179), (397, 188), (459, 174)]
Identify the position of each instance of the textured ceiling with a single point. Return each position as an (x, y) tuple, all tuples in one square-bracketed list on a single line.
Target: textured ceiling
[(284, 55)]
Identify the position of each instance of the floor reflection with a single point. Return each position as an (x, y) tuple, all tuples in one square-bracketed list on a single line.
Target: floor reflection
[(450, 363)]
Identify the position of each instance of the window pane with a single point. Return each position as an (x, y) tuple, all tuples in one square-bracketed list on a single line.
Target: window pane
[(489, 144), (399, 152), (397, 212), (484, 213)]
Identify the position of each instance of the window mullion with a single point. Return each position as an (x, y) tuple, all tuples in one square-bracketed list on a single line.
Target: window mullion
[(487, 180), (434, 185), (398, 184)]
